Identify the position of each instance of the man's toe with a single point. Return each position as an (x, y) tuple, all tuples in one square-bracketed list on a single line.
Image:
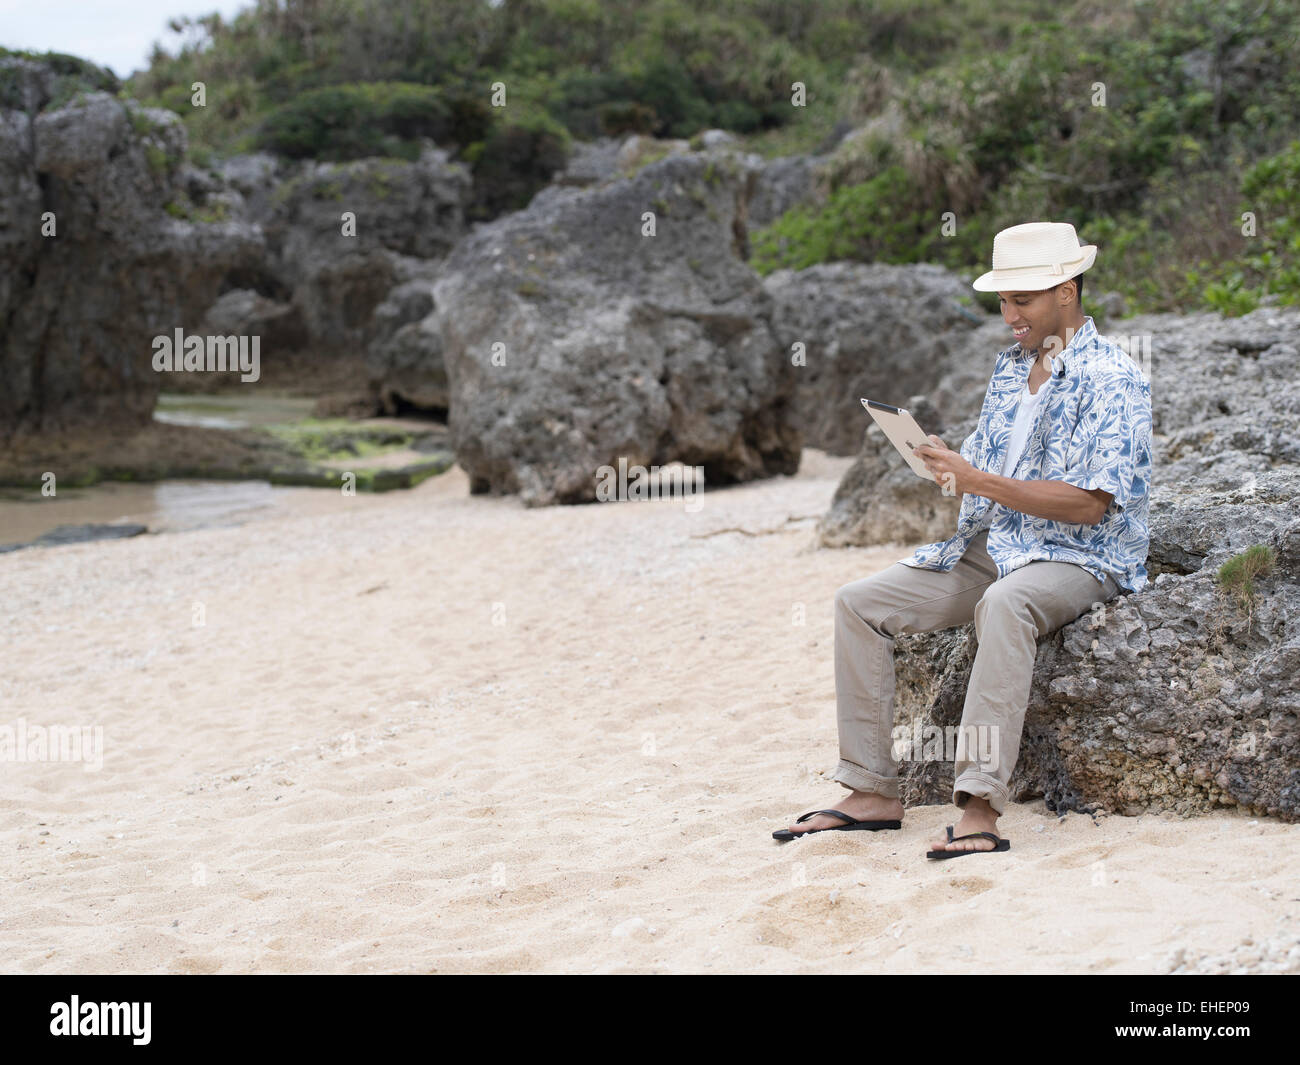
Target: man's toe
[(980, 844)]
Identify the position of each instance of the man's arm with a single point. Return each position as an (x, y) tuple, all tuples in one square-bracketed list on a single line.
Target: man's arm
[(1054, 500)]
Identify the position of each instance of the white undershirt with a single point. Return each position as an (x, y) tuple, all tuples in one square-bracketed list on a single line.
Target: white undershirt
[(1020, 431), (1027, 406)]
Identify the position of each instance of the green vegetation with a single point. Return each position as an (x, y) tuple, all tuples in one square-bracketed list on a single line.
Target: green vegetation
[(353, 121), (338, 79), (1199, 97), (73, 77), (322, 443), (1153, 126), (334, 439), (1236, 576)]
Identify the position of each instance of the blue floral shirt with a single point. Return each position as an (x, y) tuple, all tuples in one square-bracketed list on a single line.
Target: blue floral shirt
[(1092, 429)]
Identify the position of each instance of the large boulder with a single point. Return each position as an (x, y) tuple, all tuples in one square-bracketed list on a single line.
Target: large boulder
[(571, 339), (867, 330), (341, 236), (83, 300), (1182, 696)]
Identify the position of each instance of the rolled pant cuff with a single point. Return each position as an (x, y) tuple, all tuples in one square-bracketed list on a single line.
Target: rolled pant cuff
[(994, 791), (859, 779)]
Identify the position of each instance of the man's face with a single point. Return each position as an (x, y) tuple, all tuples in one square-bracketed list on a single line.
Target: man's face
[(1032, 316)]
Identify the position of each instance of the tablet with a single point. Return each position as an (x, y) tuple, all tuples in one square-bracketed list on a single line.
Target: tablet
[(903, 433)]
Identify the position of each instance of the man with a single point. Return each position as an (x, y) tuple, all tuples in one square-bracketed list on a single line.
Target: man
[(1055, 483)]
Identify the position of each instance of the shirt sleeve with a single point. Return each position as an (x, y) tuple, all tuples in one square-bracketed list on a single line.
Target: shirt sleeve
[(1112, 440)]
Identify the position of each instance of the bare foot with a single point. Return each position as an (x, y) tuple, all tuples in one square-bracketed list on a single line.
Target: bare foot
[(864, 805), (977, 816)]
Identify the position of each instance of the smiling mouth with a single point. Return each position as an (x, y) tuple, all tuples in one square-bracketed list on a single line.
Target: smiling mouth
[(1018, 333)]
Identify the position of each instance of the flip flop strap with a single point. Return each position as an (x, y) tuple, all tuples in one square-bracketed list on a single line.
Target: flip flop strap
[(973, 835), (829, 813)]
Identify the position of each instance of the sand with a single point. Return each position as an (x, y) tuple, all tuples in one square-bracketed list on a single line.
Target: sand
[(430, 732)]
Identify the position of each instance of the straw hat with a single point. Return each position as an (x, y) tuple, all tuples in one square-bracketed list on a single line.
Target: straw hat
[(1034, 256)]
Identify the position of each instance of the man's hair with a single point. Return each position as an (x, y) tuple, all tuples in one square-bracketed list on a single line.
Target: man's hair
[(1078, 293)]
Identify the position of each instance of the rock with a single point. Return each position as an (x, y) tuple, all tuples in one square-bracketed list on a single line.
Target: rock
[(406, 215), (1175, 698), (716, 138), (591, 163), (782, 183), (255, 178), (868, 330), (779, 184), (638, 150), (571, 340), (405, 352), (243, 312), (76, 534), (82, 304)]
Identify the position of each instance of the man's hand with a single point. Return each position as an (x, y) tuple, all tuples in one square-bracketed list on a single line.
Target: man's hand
[(950, 470)]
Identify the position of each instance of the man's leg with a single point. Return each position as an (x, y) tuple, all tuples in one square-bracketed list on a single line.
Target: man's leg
[(869, 613), (1032, 601)]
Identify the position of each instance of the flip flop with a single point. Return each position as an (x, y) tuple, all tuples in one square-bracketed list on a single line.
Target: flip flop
[(999, 844), (784, 835)]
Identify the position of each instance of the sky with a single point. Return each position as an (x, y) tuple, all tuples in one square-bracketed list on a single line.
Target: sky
[(113, 33)]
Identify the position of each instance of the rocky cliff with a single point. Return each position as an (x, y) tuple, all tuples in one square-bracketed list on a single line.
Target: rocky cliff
[(92, 265)]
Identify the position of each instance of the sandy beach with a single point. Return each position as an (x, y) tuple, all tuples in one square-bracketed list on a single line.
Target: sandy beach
[(430, 732)]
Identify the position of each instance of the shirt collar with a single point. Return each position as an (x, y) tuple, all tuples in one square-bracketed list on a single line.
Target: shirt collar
[(1064, 359)]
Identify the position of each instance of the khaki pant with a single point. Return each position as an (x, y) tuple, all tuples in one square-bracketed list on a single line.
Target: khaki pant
[(1010, 614)]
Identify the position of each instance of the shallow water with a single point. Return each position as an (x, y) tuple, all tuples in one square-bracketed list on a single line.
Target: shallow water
[(238, 410), (169, 506), (163, 506)]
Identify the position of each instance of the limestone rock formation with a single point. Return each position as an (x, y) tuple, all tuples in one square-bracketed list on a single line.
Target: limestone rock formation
[(868, 330), (341, 236), (572, 337), (92, 265)]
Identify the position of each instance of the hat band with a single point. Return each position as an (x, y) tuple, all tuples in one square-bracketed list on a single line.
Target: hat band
[(1034, 271)]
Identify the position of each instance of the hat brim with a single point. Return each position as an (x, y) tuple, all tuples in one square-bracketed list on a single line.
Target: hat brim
[(1002, 281)]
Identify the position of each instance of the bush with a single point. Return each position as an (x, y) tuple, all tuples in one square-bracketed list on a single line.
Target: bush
[(892, 217), (661, 100), (1272, 191), (516, 159), (351, 121)]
